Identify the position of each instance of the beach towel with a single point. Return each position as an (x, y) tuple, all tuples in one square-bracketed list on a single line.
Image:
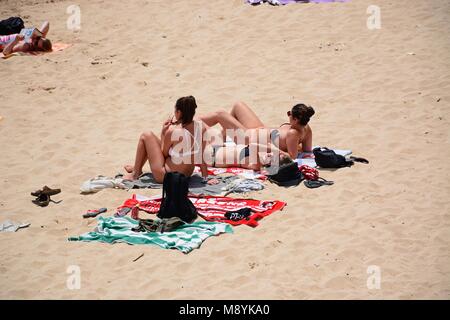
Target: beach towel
[(146, 180), (56, 47), (210, 208), (185, 238)]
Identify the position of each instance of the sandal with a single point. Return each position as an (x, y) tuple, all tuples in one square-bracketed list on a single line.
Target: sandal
[(312, 184), (42, 200), (94, 213), (46, 190)]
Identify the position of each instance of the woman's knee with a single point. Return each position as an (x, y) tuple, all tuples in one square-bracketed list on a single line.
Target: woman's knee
[(158, 174), (238, 104), (147, 135)]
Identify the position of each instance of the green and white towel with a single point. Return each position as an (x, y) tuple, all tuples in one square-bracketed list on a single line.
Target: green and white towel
[(186, 238)]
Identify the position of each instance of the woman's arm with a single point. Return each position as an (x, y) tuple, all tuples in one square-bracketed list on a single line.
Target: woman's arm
[(12, 46), (292, 141), (203, 165), (166, 141), (307, 140), (44, 28)]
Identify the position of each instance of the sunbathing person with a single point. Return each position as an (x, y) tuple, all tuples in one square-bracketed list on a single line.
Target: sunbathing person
[(253, 156), (294, 136), (168, 153), (33, 40)]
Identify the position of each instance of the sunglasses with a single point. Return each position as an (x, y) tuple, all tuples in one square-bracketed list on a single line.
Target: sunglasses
[(289, 113)]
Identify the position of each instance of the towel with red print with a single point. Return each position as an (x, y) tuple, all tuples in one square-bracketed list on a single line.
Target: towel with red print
[(210, 208)]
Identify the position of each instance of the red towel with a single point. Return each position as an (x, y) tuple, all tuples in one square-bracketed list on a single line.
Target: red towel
[(212, 208)]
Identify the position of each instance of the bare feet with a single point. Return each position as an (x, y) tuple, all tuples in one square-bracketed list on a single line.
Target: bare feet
[(128, 168), (129, 176)]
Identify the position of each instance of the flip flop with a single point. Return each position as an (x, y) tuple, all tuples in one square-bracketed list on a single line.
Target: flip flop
[(312, 184), (359, 159), (46, 190), (94, 213), (122, 212)]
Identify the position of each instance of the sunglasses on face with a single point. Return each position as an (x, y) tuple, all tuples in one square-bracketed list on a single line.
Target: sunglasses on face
[(289, 113)]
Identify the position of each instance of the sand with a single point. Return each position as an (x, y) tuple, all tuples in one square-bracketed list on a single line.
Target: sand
[(70, 115)]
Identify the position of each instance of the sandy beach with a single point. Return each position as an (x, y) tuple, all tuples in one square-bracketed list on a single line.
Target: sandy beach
[(68, 116)]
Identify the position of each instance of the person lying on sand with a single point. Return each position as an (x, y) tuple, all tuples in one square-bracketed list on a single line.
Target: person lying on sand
[(253, 156), (167, 154), (294, 136), (30, 39)]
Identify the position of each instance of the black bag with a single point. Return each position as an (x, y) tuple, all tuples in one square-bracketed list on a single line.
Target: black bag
[(326, 158), (288, 175), (175, 201), (11, 25)]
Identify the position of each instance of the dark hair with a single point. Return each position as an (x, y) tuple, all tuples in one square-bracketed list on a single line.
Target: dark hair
[(302, 113), (46, 44), (187, 106)]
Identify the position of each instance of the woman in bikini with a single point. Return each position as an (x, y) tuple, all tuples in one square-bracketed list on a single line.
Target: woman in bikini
[(179, 149), (35, 41), (294, 136)]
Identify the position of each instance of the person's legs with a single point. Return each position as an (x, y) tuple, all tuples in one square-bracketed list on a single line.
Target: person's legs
[(225, 119), (149, 148), (246, 116)]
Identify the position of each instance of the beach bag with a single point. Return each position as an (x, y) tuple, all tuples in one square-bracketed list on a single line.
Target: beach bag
[(11, 25), (326, 158), (175, 201), (287, 175)]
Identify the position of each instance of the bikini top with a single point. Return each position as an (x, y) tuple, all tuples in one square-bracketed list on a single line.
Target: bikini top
[(185, 137)]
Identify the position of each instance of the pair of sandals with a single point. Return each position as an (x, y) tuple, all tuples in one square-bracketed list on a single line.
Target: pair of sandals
[(43, 196)]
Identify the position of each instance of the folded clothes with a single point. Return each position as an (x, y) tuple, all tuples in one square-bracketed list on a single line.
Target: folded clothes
[(243, 186), (11, 226), (101, 182), (185, 238), (210, 208), (158, 225)]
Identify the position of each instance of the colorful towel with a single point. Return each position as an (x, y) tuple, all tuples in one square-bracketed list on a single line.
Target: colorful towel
[(186, 238), (210, 208), (58, 46)]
